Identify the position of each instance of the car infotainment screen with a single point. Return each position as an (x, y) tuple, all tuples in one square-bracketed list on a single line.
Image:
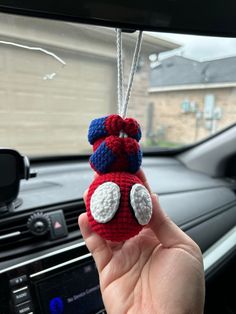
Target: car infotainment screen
[(74, 291)]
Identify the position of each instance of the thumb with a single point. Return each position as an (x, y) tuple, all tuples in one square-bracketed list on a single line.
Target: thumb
[(97, 246)]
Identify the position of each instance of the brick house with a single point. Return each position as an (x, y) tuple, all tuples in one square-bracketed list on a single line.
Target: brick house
[(45, 107), (191, 99)]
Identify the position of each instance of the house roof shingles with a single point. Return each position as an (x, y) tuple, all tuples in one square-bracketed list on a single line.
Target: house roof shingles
[(178, 70)]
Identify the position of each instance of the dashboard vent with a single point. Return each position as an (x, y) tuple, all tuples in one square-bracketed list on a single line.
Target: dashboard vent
[(71, 216), (16, 239), (14, 231)]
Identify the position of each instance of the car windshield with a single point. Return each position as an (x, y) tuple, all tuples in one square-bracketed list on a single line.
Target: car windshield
[(58, 76)]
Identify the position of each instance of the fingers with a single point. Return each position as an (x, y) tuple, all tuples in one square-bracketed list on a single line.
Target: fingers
[(141, 175), (98, 247), (85, 195), (167, 232)]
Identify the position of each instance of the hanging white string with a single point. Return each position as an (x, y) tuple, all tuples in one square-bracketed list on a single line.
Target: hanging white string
[(123, 102), (120, 83), (132, 72)]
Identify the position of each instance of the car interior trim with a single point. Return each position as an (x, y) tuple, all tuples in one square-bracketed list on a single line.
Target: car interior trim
[(61, 265), (219, 249), (10, 235), (71, 247), (21, 289), (212, 255), (165, 16), (207, 158)]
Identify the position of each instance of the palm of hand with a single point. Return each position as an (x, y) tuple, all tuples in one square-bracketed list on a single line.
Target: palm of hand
[(142, 275), (158, 271)]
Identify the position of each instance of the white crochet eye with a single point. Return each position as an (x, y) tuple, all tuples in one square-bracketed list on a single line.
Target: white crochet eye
[(141, 203), (105, 202)]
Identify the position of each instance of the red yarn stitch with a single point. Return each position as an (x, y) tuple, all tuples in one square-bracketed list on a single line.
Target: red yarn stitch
[(130, 146), (115, 144), (124, 225), (121, 147), (98, 143), (114, 124), (131, 126), (121, 164)]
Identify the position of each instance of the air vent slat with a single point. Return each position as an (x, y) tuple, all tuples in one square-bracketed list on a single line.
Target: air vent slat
[(73, 219), (73, 213), (13, 229), (73, 226), (18, 241)]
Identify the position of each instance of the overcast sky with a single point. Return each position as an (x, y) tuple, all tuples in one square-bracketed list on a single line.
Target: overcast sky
[(202, 47)]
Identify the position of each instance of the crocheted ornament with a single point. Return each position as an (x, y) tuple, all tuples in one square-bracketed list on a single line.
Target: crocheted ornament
[(118, 204)]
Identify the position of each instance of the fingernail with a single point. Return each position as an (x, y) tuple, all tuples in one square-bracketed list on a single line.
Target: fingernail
[(155, 196)]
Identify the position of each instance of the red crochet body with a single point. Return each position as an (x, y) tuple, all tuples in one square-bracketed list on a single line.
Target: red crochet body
[(124, 225)]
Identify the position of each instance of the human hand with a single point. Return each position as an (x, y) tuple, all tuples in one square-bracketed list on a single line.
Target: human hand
[(158, 271)]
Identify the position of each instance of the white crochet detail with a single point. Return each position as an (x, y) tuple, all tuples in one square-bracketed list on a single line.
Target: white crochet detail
[(105, 202), (141, 203)]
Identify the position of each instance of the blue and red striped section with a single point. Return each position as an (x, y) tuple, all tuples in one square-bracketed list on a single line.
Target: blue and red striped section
[(112, 155), (113, 125), (97, 129)]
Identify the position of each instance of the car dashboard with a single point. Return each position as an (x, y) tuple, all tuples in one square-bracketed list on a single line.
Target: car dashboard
[(43, 274), (45, 266)]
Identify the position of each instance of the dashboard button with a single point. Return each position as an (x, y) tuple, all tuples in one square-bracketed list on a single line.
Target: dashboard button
[(21, 295), (24, 308), (18, 281), (58, 224)]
